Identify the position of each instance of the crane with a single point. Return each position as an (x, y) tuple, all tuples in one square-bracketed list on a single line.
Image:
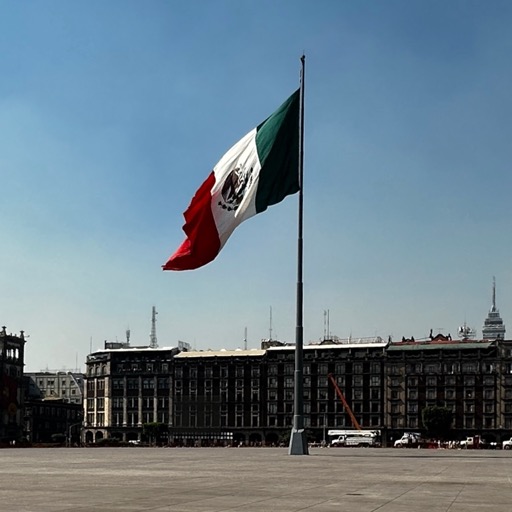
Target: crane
[(341, 396)]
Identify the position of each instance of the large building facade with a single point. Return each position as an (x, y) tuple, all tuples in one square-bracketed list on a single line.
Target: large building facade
[(468, 377), (247, 396), (126, 387), (52, 420), (63, 385), (53, 409), (12, 350)]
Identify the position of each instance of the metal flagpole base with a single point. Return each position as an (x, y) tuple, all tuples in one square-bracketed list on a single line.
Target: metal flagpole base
[(298, 442)]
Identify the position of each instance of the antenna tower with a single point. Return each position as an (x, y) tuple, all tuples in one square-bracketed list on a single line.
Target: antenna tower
[(465, 332), (270, 327), (327, 330), (153, 343), (493, 293)]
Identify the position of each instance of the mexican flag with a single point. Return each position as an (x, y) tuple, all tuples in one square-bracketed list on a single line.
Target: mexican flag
[(260, 170)]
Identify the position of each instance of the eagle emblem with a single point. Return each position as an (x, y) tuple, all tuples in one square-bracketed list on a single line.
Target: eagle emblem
[(235, 185)]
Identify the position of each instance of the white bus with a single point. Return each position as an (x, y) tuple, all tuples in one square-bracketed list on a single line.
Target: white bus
[(354, 437)]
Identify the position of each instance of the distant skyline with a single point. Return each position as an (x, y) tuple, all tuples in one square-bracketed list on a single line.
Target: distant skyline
[(113, 113)]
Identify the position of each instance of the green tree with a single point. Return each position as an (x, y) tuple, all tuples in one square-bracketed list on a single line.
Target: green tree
[(437, 420), (154, 431)]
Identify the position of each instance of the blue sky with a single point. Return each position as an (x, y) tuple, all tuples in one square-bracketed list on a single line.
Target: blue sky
[(113, 113)]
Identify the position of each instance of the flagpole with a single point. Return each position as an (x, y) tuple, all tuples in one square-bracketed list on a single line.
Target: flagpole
[(298, 438)]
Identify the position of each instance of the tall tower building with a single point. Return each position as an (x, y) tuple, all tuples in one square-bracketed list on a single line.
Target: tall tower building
[(493, 325)]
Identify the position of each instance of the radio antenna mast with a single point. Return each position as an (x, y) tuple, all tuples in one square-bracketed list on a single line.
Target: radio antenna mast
[(153, 343), (327, 330)]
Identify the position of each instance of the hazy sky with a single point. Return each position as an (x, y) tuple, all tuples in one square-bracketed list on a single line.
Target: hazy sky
[(113, 113)]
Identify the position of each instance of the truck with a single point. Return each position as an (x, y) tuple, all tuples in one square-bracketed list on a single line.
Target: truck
[(474, 442), (507, 445), (354, 437), (408, 440), (339, 441)]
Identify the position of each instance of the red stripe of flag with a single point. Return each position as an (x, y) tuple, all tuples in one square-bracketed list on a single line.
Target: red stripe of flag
[(202, 243)]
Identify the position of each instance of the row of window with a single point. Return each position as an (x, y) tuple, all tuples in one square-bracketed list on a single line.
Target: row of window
[(373, 407), (449, 393), (13, 371), (434, 381), (447, 368), (240, 420), (51, 383), (130, 403), (131, 419), (468, 422), (468, 407), (101, 369), (12, 353), (57, 412), (287, 369), (253, 419), (193, 372), (448, 380), (434, 393), (240, 371), (285, 420), (288, 382)]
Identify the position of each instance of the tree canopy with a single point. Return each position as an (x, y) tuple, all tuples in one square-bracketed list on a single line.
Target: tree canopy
[(437, 420), (154, 431)]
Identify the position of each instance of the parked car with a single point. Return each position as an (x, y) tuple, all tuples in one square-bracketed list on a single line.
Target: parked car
[(507, 445)]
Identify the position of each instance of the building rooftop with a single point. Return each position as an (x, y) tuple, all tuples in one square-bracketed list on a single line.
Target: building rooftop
[(221, 353), (439, 345)]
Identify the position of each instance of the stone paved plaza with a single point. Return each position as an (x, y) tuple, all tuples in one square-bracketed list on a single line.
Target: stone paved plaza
[(254, 480)]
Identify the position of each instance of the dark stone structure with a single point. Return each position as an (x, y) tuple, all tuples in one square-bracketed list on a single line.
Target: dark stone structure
[(11, 386)]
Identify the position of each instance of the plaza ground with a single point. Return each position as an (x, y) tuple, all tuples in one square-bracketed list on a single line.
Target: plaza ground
[(254, 480)]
